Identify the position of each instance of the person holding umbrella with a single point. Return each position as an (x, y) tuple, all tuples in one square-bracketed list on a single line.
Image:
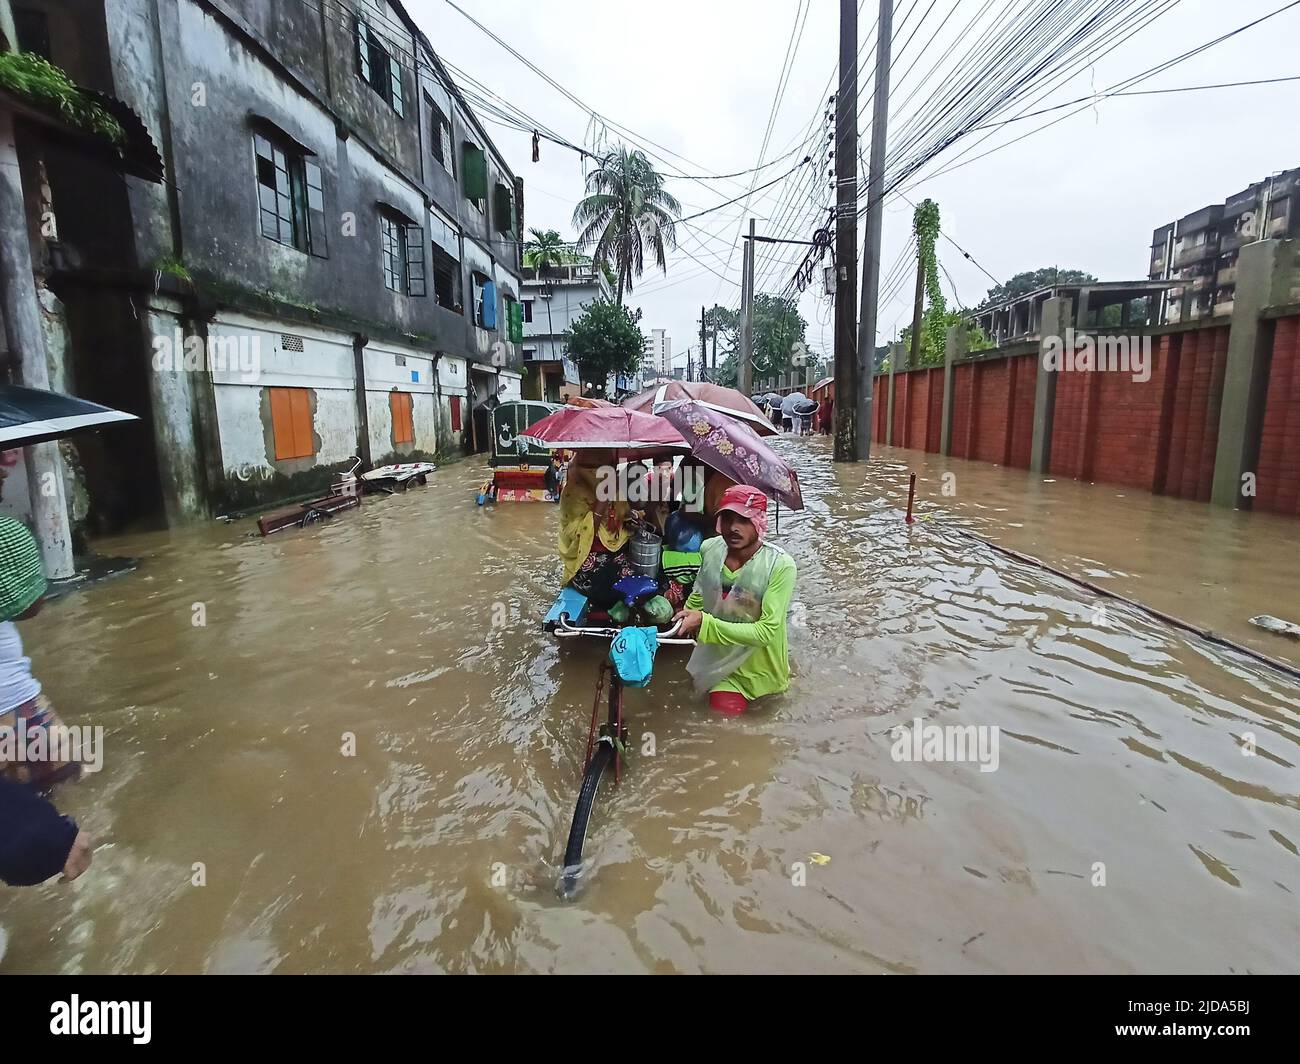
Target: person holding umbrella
[(737, 610)]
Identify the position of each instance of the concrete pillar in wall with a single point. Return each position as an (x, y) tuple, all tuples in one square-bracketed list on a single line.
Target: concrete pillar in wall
[(1056, 319), (1264, 273), (895, 354), (954, 351), (359, 343), (26, 340)]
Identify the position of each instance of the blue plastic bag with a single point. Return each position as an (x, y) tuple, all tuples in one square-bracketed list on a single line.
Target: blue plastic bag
[(633, 655)]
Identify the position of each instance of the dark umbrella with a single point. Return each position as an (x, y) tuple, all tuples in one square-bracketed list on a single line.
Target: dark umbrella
[(734, 450), (30, 415)]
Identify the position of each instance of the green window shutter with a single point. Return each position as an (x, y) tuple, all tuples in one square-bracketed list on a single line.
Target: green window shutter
[(504, 210), (317, 242), (516, 323), (475, 172), (415, 283), (363, 51), (395, 77)]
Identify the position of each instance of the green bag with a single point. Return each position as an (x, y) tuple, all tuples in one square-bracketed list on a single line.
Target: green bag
[(22, 573)]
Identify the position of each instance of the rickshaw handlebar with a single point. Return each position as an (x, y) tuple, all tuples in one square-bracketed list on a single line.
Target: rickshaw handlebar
[(564, 630)]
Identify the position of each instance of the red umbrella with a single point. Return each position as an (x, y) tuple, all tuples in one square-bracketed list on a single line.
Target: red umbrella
[(714, 396), (730, 447), (584, 401), (579, 428)]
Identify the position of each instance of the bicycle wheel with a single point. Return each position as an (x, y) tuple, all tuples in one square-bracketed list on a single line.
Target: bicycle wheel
[(602, 758)]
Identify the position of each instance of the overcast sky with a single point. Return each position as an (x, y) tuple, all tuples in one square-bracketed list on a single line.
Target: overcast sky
[(698, 79)]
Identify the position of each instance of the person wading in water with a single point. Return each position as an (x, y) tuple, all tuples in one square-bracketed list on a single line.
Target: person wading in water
[(737, 609)]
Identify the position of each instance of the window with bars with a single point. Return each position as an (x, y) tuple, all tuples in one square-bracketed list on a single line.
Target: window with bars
[(290, 196), (440, 139), (378, 67), (401, 249)]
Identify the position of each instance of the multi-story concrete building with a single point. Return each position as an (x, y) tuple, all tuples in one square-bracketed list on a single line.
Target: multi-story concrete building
[(1201, 249), (659, 354), (330, 268), (553, 299)]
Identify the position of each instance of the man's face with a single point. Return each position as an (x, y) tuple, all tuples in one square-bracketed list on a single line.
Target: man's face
[(738, 532)]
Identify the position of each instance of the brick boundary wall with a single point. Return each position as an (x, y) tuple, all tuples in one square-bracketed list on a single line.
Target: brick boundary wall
[(1159, 435)]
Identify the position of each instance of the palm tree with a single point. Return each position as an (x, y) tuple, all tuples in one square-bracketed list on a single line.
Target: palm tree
[(544, 252), (627, 210)]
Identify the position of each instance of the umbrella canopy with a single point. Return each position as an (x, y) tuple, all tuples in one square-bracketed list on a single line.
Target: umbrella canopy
[(724, 400), (734, 450), (792, 403), (31, 415), (578, 428), (584, 401)]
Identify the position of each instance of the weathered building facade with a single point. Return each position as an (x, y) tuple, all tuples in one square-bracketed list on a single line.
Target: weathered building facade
[(554, 298), (331, 267)]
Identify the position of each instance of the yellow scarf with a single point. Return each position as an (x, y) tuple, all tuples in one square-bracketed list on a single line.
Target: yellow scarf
[(578, 524)]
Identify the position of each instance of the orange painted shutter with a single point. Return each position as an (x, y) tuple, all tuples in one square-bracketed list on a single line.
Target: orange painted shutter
[(302, 424), (291, 423), (400, 404)]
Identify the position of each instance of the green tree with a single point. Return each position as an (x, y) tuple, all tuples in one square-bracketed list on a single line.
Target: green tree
[(780, 340), (626, 213), (932, 354), (606, 339), (1032, 280), (780, 337), (546, 250)]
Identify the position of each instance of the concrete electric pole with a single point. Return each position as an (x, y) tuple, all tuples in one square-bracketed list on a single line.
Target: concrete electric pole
[(875, 216)]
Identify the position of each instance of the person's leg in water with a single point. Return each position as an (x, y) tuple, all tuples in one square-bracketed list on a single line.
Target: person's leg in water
[(728, 703)]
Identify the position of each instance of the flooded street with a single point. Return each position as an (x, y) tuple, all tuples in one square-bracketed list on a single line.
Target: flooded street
[(436, 847)]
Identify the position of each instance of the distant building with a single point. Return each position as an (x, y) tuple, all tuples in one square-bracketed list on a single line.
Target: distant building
[(659, 355), (1098, 304), (553, 301), (1201, 249)]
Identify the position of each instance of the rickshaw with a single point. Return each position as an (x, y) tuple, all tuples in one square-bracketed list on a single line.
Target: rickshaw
[(521, 472)]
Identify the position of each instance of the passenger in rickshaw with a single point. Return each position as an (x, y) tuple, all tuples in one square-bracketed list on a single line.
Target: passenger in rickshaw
[(593, 532)]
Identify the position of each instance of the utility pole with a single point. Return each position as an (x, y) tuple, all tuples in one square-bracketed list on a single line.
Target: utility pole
[(745, 372), (713, 367), (846, 237), (704, 351), (875, 218), (918, 308)]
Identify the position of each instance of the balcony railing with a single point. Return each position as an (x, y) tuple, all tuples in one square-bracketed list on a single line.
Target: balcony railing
[(1196, 253)]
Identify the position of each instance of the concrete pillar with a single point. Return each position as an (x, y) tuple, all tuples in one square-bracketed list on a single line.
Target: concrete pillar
[(1056, 319), (895, 353), (954, 351), (1264, 271), (26, 340), (359, 343)]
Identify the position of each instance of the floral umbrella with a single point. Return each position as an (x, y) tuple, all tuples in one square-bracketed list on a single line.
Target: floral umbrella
[(714, 396), (734, 450), (629, 433)]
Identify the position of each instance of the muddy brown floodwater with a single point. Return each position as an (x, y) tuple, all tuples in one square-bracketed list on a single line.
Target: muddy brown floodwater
[(436, 847)]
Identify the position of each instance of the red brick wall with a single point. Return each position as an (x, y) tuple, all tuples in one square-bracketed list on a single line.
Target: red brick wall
[(1192, 364), (963, 379), (1159, 435), (1278, 481), (1022, 411)]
